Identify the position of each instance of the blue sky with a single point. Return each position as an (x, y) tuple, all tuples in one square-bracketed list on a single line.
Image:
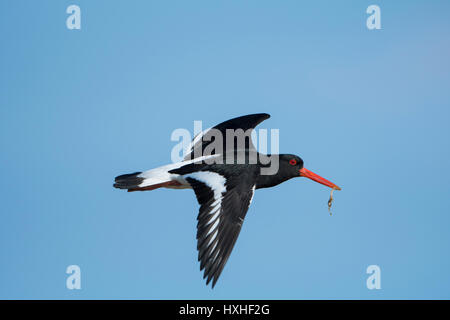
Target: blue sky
[(366, 109)]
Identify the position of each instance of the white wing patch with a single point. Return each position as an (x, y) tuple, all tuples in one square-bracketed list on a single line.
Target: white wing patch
[(217, 184), (253, 194), (213, 180)]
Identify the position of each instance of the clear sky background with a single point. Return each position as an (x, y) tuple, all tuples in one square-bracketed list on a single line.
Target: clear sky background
[(369, 110)]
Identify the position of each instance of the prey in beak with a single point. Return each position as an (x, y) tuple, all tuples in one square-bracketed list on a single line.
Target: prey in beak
[(311, 175)]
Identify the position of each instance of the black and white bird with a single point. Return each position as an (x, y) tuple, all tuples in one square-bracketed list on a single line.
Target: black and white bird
[(224, 187)]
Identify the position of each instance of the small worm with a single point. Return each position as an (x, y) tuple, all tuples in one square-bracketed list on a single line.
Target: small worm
[(330, 201)]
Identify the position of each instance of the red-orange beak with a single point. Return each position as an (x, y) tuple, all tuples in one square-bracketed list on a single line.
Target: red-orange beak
[(311, 175)]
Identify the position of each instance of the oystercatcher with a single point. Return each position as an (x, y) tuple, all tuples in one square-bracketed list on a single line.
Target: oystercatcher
[(224, 188)]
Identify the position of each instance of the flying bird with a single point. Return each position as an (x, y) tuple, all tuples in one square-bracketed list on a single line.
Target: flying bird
[(224, 181)]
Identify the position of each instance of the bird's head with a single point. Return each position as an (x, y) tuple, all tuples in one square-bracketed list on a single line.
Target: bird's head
[(291, 166)]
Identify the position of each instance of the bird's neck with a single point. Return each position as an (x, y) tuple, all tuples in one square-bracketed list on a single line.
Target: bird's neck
[(275, 173), (267, 181)]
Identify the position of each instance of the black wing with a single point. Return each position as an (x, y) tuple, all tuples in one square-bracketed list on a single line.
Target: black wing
[(223, 206), (203, 139)]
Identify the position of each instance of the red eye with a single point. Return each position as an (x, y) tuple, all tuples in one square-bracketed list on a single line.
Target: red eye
[(293, 162)]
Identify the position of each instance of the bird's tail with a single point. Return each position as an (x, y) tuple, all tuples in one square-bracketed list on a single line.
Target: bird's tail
[(145, 181), (130, 181)]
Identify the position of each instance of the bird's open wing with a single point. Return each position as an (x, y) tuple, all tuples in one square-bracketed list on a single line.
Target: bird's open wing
[(223, 206), (246, 123)]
